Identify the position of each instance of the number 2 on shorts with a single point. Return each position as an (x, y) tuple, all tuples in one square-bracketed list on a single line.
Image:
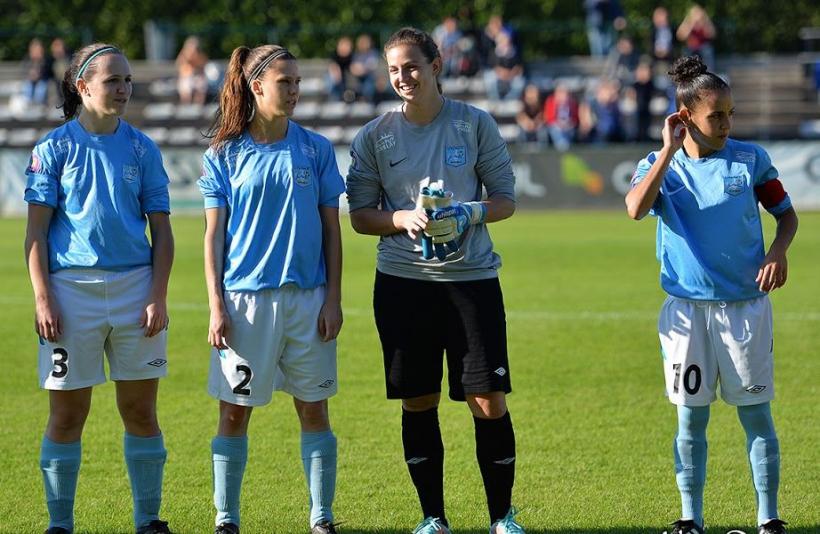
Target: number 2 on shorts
[(687, 379), (240, 388)]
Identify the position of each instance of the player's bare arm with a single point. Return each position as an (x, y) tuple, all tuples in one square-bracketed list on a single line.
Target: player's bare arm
[(220, 323), (330, 317), (775, 268), (375, 221), (155, 315), (641, 197), (47, 322)]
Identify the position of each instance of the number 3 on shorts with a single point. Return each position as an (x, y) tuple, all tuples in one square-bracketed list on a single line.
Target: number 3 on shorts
[(240, 388), (60, 359), (690, 380)]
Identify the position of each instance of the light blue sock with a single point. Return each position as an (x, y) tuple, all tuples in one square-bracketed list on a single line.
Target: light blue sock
[(230, 454), (690, 460), (319, 461), (60, 464), (145, 460), (764, 457)]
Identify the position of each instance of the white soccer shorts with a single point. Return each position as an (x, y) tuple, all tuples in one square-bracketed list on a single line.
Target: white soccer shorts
[(100, 312), (706, 342), (274, 345)]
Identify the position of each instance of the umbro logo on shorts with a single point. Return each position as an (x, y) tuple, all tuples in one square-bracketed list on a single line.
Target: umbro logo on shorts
[(500, 371), (327, 383), (159, 362), (755, 389), (417, 460)]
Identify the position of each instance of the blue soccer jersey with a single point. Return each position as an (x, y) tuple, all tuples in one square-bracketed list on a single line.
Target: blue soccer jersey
[(709, 239), (272, 192), (101, 188)]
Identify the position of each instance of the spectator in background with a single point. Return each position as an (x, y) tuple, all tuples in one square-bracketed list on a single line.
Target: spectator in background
[(61, 58), (604, 18), (643, 90), (447, 36), (470, 43), (494, 27), (600, 118), (530, 119), (505, 76), (697, 33), (192, 83), (338, 71), (661, 37), (622, 61), (37, 73), (364, 66), (561, 117)]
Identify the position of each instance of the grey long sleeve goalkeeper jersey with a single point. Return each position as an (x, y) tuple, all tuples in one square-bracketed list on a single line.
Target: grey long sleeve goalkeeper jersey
[(393, 159)]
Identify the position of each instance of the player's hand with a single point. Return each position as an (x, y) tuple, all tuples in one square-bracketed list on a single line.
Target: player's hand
[(47, 321), (448, 223), (219, 326), (674, 131), (330, 320), (154, 318), (773, 272), (411, 221)]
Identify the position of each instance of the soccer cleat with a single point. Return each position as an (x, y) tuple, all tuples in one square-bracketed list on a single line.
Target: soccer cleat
[(324, 527), (507, 525), (226, 528), (773, 526), (431, 525), (57, 530), (155, 527), (684, 526)]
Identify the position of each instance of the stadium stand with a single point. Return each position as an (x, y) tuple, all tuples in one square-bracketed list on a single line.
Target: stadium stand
[(775, 99)]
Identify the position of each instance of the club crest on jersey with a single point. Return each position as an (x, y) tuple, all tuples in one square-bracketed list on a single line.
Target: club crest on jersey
[(385, 142), (130, 173), (734, 185), (301, 175), (35, 165), (455, 156)]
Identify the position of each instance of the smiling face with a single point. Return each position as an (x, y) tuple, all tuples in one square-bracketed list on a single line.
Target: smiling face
[(106, 90), (709, 121), (412, 75), (276, 92)]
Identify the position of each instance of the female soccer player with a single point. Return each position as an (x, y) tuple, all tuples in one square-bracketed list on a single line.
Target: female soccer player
[(716, 324), (273, 263), (424, 307), (99, 286)]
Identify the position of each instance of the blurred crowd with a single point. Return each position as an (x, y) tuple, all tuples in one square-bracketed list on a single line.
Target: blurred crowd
[(615, 104)]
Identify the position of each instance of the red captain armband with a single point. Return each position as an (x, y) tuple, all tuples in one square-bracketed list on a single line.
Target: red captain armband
[(770, 194)]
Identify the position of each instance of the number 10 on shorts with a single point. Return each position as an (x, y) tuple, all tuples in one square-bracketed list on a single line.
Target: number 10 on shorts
[(690, 379)]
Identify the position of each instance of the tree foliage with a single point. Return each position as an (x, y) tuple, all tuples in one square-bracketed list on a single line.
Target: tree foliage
[(548, 27)]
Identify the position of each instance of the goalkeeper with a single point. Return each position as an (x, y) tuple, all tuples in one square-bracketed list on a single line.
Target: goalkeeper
[(418, 173)]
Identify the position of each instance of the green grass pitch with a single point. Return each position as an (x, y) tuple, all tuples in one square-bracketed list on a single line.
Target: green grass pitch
[(593, 428)]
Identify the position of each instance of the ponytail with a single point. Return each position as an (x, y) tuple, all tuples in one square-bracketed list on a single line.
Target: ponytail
[(83, 65), (236, 101)]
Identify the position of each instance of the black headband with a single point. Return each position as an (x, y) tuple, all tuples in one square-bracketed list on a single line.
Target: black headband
[(267, 61)]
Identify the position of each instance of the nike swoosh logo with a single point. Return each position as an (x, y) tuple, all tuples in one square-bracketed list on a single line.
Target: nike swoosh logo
[(394, 163)]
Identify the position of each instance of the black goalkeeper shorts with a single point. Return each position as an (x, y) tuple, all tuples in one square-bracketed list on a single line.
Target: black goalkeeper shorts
[(419, 321)]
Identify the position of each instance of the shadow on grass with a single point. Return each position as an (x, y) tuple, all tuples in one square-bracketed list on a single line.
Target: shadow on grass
[(614, 530), (350, 529)]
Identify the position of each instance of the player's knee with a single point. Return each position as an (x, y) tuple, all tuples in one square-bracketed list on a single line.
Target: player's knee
[(313, 416), (233, 418), (421, 404), (489, 406), (64, 423)]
